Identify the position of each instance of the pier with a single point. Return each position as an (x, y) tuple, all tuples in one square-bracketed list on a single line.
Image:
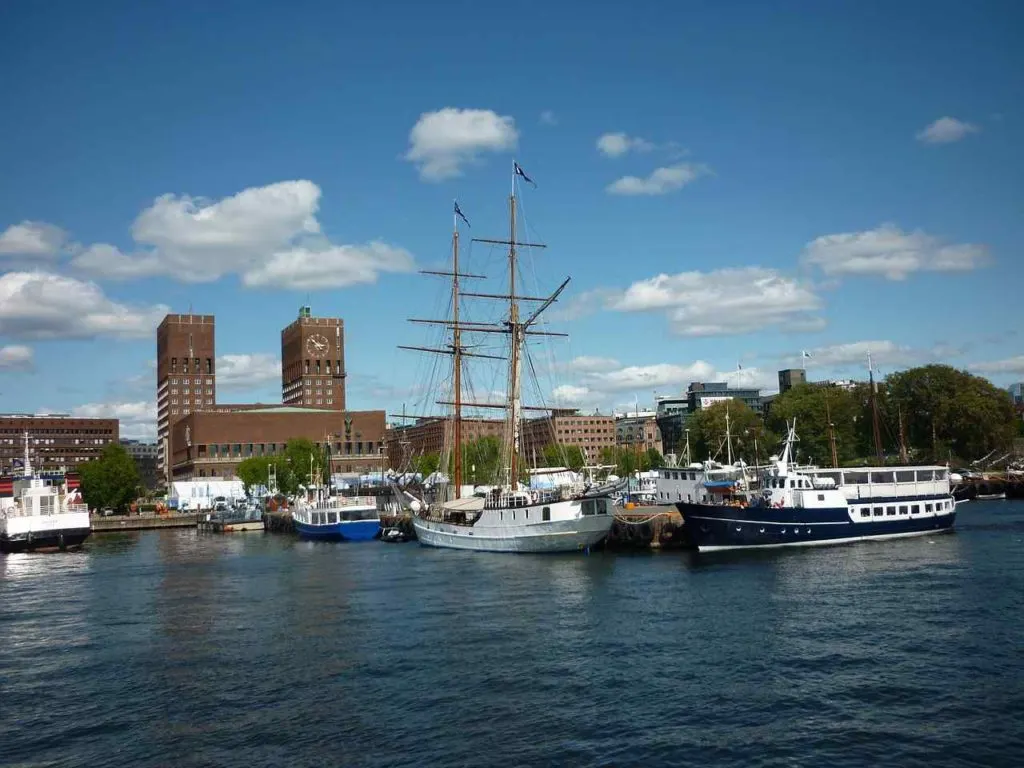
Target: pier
[(972, 487), (143, 522)]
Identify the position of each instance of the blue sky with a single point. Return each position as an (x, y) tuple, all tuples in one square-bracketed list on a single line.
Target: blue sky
[(773, 177)]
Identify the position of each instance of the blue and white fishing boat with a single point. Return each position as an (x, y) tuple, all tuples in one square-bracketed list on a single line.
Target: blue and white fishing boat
[(339, 518), (801, 506)]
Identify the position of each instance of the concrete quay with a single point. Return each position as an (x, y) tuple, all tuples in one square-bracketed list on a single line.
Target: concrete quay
[(143, 522)]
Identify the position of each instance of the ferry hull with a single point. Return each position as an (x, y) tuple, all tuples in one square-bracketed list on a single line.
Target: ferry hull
[(553, 536), (715, 527), (43, 541), (349, 530)]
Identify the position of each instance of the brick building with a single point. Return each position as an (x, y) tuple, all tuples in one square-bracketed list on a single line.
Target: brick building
[(313, 362), (428, 435), (212, 444), (57, 443), (185, 374), (591, 432), (638, 432)]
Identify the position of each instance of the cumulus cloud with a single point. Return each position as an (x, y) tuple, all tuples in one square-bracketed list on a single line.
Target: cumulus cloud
[(1007, 365), (442, 142), (661, 181), (32, 238), (945, 130), (651, 377), (883, 352), (725, 301), (137, 419), (591, 364), (39, 305), (618, 144), (890, 252), (569, 394), (247, 371), (16, 357), (269, 236)]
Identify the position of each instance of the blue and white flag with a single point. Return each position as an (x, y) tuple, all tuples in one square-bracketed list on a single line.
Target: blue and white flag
[(805, 355), (520, 172), (461, 215)]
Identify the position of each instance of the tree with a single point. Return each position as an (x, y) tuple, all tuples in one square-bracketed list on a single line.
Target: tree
[(653, 459), (707, 432), (111, 481), (254, 472), (426, 464), (813, 405), (947, 411), (571, 456), (480, 460)]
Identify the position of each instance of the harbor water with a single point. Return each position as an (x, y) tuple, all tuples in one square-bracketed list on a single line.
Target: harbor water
[(169, 648)]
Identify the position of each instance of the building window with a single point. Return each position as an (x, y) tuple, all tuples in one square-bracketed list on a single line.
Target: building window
[(174, 365), (307, 367), (209, 365)]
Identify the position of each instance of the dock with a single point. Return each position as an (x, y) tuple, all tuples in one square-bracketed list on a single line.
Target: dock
[(144, 522), (229, 526), (972, 487), (278, 522)]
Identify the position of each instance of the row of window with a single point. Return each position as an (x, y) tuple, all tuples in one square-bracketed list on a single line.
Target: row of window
[(326, 369), (235, 450), (905, 509), (196, 365)]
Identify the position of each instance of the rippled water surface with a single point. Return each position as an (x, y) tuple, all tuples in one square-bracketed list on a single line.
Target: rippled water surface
[(176, 649)]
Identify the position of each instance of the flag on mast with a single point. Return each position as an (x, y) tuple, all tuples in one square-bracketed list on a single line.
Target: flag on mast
[(520, 172), (804, 354), (461, 215)]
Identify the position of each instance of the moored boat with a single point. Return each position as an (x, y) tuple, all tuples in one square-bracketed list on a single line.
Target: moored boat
[(42, 516), (339, 518)]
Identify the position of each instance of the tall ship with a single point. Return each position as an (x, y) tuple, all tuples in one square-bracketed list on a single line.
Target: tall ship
[(42, 515), (508, 516)]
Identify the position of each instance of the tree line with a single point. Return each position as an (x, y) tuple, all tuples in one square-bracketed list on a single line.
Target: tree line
[(936, 412)]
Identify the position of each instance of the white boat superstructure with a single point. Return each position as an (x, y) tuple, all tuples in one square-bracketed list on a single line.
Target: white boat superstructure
[(41, 515)]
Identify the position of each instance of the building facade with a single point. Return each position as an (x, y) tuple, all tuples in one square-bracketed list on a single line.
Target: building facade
[(57, 443), (185, 374), (700, 395), (791, 377), (591, 432), (313, 362), (1017, 393), (431, 434), (213, 444), (147, 459), (639, 432)]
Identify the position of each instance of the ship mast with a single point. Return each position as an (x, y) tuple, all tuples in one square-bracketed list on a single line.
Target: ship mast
[(904, 459), (831, 432), (515, 378), (875, 428), (456, 361)]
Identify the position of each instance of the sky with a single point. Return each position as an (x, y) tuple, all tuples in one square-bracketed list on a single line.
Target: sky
[(727, 185)]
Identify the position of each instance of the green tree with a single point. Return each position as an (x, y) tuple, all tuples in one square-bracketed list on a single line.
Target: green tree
[(654, 459), (254, 472), (707, 432), (111, 481), (813, 406), (426, 464), (947, 411), (480, 460), (558, 455)]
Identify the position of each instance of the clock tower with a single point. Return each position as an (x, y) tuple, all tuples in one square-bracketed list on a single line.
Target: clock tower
[(313, 362)]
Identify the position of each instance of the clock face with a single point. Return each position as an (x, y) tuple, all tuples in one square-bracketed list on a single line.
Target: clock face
[(317, 345)]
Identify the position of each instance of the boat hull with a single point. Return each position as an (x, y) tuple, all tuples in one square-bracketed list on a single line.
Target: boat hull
[(348, 530), (715, 527), (43, 541), (553, 536)]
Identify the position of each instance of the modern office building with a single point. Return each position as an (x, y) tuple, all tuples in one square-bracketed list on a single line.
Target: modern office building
[(1017, 393), (791, 377), (57, 443), (147, 460)]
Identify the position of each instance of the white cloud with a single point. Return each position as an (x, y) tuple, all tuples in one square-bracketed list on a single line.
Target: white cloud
[(137, 419), (618, 144), (890, 252), (442, 142), (16, 357), (32, 238), (247, 371), (45, 306), (591, 364), (335, 267), (269, 236), (651, 377), (661, 181), (726, 301), (547, 117), (569, 394), (883, 352), (1007, 365), (946, 130)]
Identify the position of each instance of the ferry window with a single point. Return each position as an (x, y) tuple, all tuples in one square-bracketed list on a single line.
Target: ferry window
[(332, 517), (588, 507), (881, 477), (890, 510), (821, 497), (855, 478), (546, 514), (915, 509), (927, 507), (903, 509), (878, 511), (905, 477), (865, 511)]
